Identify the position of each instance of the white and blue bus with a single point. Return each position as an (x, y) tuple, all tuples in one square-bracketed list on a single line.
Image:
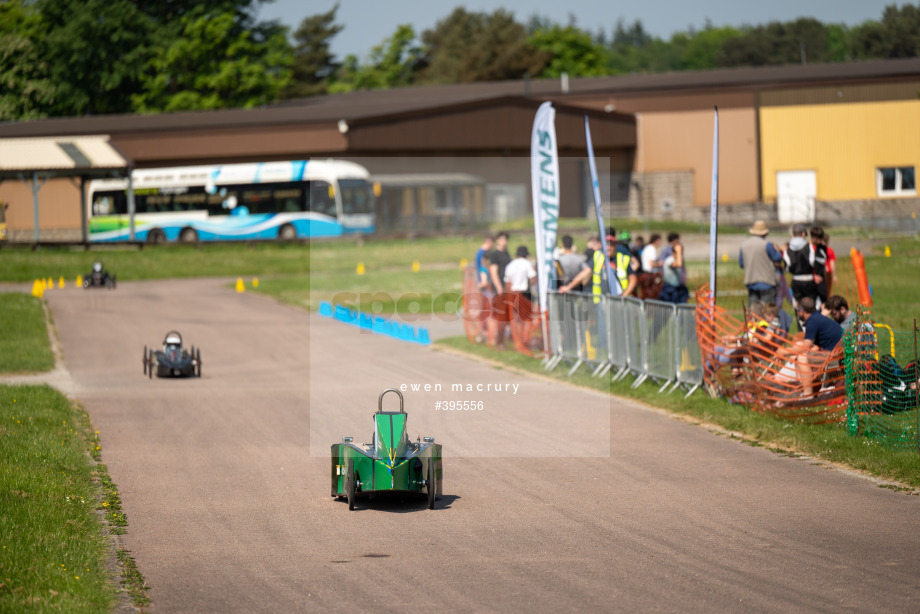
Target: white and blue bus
[(267, 200)]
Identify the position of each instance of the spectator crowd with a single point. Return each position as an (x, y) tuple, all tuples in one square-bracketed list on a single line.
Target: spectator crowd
[(627, 265)]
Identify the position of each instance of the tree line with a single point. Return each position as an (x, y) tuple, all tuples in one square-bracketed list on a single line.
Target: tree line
[(70, 58)]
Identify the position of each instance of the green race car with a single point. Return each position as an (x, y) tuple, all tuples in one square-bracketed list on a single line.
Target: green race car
[(391, 463)]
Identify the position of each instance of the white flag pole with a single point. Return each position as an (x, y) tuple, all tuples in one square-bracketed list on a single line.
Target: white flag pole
[(714, 208)]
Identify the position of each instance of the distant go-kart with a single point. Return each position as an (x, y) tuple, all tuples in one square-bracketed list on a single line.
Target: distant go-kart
[(391, 463), (99, 278), (173, 360)]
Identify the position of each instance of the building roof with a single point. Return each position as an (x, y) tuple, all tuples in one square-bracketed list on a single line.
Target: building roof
[(61, 156), (368, 105)]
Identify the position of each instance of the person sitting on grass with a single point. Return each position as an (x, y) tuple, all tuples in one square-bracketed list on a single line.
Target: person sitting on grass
[(822, 335)]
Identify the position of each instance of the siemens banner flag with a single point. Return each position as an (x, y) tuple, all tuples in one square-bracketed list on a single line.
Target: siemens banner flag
[(544, 176)]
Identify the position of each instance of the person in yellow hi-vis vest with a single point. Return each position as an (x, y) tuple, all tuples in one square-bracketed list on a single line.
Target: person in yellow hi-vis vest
[(596, 273), (595, 328), (625, 265)]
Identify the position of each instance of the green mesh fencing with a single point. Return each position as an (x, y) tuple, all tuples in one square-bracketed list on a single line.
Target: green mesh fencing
[(882, 377)]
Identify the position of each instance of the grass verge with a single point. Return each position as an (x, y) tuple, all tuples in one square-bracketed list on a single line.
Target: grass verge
[(56, 506), (24, 344), (829, 443)]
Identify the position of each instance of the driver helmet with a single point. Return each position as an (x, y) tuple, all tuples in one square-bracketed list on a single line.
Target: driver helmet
[(97, 267), (172, 340)]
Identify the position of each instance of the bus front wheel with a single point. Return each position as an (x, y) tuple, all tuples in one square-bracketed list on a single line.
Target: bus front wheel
[(287, 233), (156, 236), (188, 235)]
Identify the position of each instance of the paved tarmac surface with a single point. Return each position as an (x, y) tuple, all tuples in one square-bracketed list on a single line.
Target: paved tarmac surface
[(556, 499)]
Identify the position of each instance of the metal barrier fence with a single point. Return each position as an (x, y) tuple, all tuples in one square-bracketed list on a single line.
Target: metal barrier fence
[(625, 336)]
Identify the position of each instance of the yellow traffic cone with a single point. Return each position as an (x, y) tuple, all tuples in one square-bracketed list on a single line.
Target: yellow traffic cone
[(415, 266), (590, 350), (255, 282), (240, 286), (37, 289), (887, 251), (79, 280), (463, 263), (360, 269), (50, 284), (724, 257), (61, 282)]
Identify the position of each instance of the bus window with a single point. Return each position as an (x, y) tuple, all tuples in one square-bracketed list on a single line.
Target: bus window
[(258, 201), (102, 205), (320, 201), (288, 201), (356, 196)]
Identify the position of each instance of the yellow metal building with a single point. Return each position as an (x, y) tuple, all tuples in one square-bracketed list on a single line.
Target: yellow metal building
[(858, 146)]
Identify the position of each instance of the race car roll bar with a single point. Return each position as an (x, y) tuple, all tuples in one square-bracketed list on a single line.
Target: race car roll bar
[(380, 400)]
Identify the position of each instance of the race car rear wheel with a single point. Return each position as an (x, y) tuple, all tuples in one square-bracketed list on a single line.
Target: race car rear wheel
[(432, 485), (198, 361), (144, 360), (150, 365), (350, 483)]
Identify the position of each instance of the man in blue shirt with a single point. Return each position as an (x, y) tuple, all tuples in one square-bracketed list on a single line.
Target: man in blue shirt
[(821, 336)]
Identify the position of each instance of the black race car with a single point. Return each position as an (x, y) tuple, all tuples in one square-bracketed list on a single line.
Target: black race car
[(99, 278), (173, 360)]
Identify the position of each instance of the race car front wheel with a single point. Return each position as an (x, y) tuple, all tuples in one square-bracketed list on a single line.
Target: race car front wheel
[(144, 360), (150, 365), (198, 361), (350, 483)]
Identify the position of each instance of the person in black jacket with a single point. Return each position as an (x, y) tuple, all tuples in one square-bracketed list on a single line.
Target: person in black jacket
[(800, 262)]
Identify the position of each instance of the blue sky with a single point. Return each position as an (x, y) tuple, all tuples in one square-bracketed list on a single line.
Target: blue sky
[(368, 22)]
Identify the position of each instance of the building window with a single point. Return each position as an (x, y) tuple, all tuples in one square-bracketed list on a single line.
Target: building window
[(896, 181)]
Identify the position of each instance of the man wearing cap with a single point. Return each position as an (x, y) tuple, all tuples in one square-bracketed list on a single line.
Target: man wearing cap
[(759, 258)]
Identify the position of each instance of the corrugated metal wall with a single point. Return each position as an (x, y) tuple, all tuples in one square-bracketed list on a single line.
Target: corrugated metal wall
[(682, 141), (844, 143)]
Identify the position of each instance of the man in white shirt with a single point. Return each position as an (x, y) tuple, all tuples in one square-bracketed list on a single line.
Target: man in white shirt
[(650, 261), (519, 273)]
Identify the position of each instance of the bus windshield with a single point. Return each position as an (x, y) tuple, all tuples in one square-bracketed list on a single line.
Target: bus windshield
[(356, 196)]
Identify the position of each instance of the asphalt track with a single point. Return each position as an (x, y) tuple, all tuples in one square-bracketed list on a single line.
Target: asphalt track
[(230, 510)]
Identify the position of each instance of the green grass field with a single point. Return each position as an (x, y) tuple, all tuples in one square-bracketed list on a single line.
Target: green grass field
[(305, 275), (52, 494), (53, 555), (24, 344)]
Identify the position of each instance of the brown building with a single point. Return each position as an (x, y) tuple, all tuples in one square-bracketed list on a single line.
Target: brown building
[(652, 136)]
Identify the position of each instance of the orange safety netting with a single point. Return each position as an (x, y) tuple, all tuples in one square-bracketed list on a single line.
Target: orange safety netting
[(498, 319), (476, 307), (752, 363)]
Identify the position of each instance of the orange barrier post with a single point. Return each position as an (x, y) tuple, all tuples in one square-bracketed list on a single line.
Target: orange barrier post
[(862, 281)]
